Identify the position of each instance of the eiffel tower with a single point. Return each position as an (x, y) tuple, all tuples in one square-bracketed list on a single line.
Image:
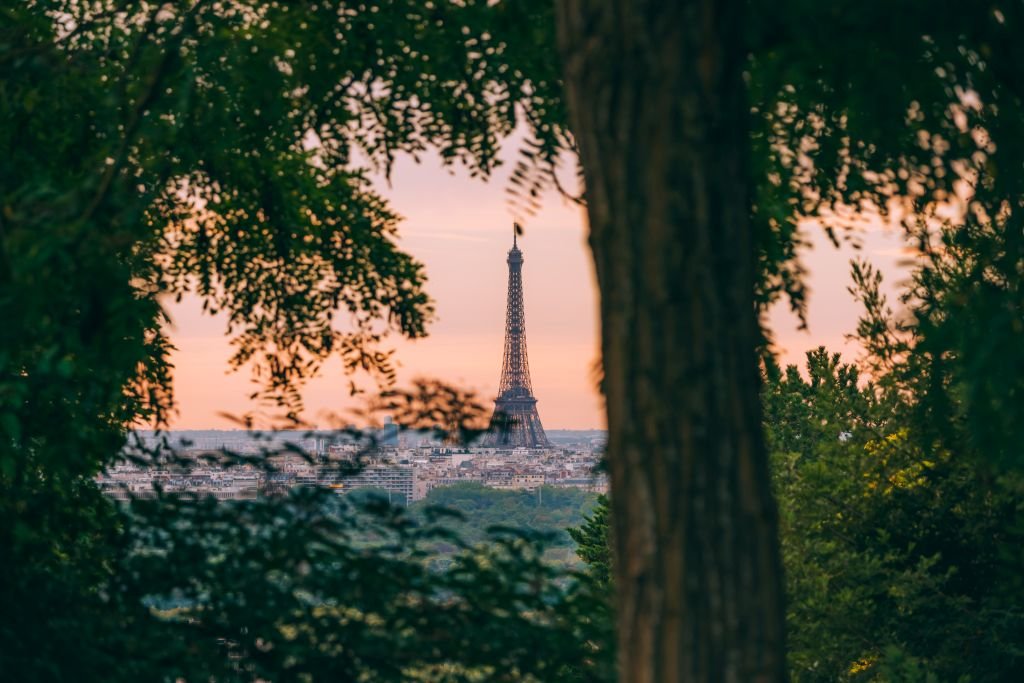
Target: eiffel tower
[(515, 422)]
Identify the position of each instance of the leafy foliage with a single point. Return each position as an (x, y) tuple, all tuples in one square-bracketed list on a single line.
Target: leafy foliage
[(219, 149), (310, 586), (911, 111), (897, 549), (593, 542), (900, 495)]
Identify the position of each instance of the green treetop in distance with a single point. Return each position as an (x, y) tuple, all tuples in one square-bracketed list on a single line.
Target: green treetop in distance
[(593, 544)]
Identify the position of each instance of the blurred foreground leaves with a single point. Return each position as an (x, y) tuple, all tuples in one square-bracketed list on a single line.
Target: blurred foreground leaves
[(327, 588)]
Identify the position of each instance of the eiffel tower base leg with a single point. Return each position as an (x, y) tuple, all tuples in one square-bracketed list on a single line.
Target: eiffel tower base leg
[(516, 424)]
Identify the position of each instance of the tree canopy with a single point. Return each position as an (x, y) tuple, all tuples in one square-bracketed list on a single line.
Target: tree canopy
[(212, 149), (224, 150)]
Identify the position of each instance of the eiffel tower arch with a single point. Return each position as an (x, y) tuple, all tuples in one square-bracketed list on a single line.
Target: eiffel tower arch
[(516, 422)]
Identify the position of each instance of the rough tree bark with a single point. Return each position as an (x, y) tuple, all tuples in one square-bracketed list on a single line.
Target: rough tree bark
[(657, 103)]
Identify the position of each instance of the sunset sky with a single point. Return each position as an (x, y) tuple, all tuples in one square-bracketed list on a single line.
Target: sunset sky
[(460, 228)]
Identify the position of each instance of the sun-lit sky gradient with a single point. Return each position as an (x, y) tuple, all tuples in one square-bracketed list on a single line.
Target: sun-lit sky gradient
[(460, 228)]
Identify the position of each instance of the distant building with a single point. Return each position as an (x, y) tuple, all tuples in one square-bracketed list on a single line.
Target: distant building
[(409, 474), (388, 436), (398, 479)]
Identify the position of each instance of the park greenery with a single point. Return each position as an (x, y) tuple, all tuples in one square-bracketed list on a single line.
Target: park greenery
[(224, 150), (548, 510), (550, 514)]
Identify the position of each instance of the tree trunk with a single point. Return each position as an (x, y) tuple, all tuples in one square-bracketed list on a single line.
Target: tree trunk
[(657, 102)]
